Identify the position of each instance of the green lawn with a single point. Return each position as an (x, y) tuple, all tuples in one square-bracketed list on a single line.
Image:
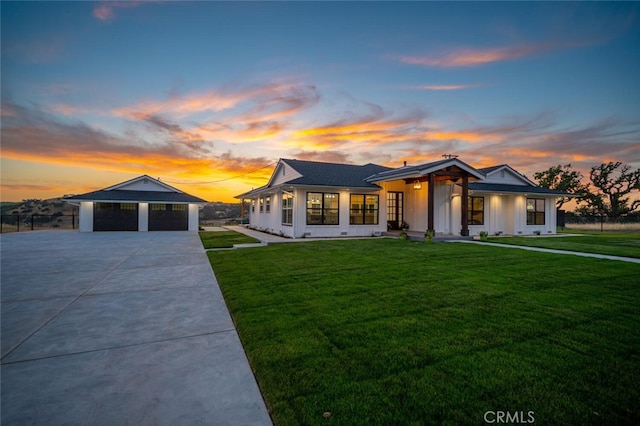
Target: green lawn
[(224, 239), (388, 331), (615, 244)]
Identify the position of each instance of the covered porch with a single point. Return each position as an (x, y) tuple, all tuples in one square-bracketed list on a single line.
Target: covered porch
[(428, 197)]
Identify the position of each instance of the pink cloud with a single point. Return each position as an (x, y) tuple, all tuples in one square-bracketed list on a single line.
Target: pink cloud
[(447, 87), (105, 11), (468, 57)]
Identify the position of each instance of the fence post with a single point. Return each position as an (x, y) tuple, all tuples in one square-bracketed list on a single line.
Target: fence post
[(73, 220), (18, 222), (32, 222), (1, 217)]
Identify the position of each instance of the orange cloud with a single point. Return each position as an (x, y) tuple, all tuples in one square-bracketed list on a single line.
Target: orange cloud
[(466, 57), (246, 115)]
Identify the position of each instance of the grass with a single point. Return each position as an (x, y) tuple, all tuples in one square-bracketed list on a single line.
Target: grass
[(394, 332), (224, 239), (615, 244)]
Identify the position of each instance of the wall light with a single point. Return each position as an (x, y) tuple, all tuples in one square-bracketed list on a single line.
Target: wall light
[(417, 185)]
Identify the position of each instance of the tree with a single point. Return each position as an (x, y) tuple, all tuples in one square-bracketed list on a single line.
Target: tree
[(613, 183), (562, 178)]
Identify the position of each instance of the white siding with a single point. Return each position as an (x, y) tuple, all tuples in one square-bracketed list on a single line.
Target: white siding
[(143, 217), (194, 222), (86, 217), (140, 185), (283, 173), (506, 176)]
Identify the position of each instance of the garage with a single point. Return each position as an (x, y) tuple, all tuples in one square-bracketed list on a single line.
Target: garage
[(141, 204), (168, 217), (115, 217)]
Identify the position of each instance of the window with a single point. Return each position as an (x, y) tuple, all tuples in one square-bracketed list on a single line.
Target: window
[(364, 210), (179, 208), (287, 208), (128, 206), (535, 211), (261, 202), (156, 207), (476, 211), (267, 204), (322, 208), (253, 206), (104, 206)]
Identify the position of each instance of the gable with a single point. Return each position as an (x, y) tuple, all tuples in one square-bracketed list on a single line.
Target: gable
[(143, 183), (505, 175), (283, 173)]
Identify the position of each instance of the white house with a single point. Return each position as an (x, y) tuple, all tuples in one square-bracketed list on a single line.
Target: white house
[(315, 199), (140, 204)]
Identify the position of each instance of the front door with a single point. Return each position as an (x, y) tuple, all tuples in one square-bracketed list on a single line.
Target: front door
[(395, 207)]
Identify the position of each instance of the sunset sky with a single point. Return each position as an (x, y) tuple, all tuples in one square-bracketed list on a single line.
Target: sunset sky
[(207, 96)]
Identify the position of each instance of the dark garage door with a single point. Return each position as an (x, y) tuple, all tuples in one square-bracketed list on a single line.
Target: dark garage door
[(115, 217), (168, 217)]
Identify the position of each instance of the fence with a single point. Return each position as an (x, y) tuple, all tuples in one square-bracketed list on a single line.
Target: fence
[(32, 222)]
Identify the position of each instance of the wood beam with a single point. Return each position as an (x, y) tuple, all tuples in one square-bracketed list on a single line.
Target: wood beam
[(431, 204), (465, 206)]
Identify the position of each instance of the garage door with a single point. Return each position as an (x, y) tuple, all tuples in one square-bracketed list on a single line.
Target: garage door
[(168, 217), (115, 217)]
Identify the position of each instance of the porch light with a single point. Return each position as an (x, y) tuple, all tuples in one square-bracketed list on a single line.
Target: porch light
[(417, 185)]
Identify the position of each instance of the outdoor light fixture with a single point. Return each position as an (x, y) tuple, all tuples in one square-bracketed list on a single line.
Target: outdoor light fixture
[(417, 185)]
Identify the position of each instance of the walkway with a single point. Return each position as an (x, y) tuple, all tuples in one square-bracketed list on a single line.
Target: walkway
[(119, 328), (270, 239), (546, 250)]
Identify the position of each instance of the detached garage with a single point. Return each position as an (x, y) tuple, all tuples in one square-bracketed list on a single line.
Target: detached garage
[(140, 204)]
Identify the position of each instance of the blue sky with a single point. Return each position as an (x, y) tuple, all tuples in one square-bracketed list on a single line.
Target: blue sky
[(207, 95)]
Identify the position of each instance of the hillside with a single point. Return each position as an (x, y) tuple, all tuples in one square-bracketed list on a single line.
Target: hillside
[(55, 213)]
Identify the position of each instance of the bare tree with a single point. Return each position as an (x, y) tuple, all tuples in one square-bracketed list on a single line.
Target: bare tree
[(562, 178), (614, 184)]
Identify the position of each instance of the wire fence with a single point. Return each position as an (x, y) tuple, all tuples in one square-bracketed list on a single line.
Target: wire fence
[(33, 222)]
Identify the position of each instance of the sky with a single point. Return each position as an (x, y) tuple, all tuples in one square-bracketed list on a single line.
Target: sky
[(207, 96)]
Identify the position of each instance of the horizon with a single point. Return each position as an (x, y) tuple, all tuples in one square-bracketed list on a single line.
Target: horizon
[(207, 96)]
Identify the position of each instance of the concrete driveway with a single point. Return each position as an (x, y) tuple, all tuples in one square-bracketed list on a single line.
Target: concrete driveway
[(118, 328)]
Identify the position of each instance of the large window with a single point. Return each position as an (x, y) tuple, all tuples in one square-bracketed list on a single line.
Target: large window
[(267, 204), (476, 210), (322, 208), (261, 203), (287, 208), (364, 210), (535, 211), (253, 206)]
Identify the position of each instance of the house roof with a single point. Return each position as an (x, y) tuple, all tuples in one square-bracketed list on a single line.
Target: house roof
[(119, 195), (510, 188), (155, 191), (332, 174), (316, 173), (489, 170), (424, 169)]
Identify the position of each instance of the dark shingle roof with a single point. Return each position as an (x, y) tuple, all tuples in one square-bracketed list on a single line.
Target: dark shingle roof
[(487, 170), (136, 196), (523, 189), (331, 174)]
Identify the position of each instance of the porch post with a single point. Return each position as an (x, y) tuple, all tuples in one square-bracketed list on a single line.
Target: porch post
[(430, 204), (465, 206)]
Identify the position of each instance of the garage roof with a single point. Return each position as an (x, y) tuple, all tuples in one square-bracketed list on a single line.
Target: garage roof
[(128, 192)]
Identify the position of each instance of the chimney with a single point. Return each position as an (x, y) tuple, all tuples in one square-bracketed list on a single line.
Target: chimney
[(405, 164)]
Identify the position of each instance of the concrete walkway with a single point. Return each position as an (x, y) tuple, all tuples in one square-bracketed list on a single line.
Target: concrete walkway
[(118, 328), (546, 250), (271, 239)]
